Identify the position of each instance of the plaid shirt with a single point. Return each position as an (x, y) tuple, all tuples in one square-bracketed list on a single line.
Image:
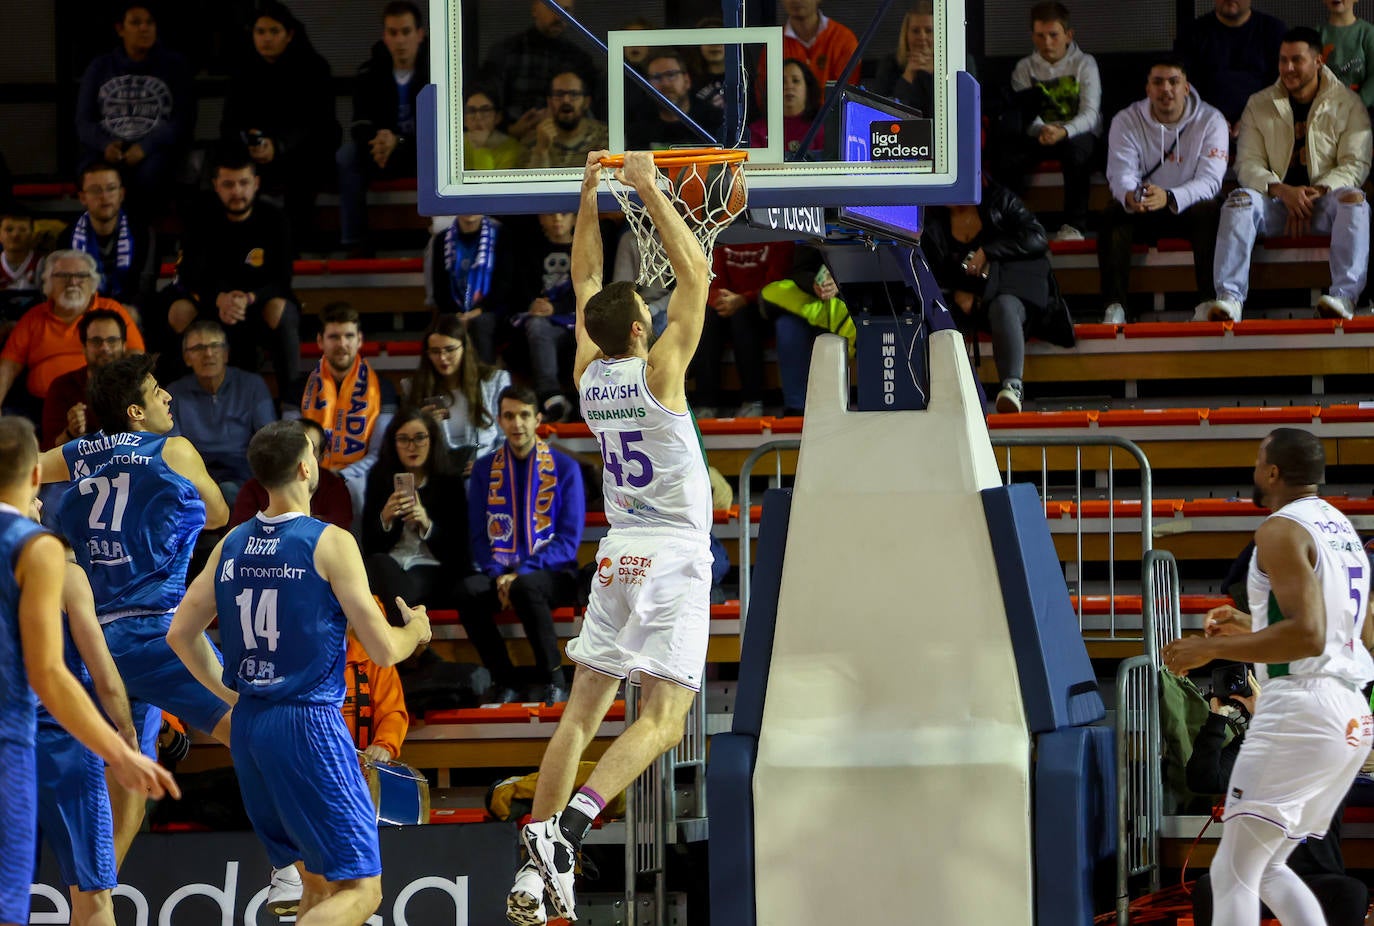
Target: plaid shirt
[(524, 64)]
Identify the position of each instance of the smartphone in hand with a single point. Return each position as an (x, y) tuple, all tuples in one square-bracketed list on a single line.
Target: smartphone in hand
[(404, 482)]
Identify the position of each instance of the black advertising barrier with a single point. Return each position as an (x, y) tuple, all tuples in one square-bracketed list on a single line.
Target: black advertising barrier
[(442, 875)]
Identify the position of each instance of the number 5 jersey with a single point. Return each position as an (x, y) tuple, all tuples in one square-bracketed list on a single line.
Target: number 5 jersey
[(132, 520), (654, 464)]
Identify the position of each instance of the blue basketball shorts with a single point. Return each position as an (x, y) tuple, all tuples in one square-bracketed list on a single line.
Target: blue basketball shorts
[(304, 789), (155, 675), (18, 830), (74, 809)]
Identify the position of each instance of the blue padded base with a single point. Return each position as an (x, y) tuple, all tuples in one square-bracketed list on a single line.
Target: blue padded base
[(1075, 820), (730, 794), (1058, 688), (756, 649)]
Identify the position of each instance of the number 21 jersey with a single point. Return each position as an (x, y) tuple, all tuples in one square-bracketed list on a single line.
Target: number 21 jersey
[(654, 465)]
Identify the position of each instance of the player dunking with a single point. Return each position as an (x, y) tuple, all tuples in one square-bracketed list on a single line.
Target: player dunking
[(31, 660), (649, 613), (1308, 591), (286, 588), (137, 503)]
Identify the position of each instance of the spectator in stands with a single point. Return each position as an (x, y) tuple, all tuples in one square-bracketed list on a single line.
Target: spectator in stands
[(471, 276), (280, 106), (741, 272), (637, 56), (1348, 48), (523, 66), (525, 512), (382, 145), (992, 262), (626, 268), (801, 98), (568, 132), (453, 386), (415, 535), (1064, 82), (486, 147), (1231, 53), (121, 244), (235, 266), (1166, 157), (1301, 156), (331, 501), (664, 128), (707, 64), (20, 264), (350, 400), (1316, 860), (66, 413), (822, 43), (909, 75), (374, 704), (545, 279), (46, 341), (136, 107), (804, 304), (219, 408)]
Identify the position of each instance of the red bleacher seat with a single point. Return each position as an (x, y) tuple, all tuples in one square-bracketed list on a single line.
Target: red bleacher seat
[(731, 425), (459, 815), (1176, 329), (1150, 417), (1269, 415), (1173, 245), (786, 425), (1221, 507), (404, 348), (1361, 324), (1096, 331), (1340, 413), (1021, 420), (1260, 326), (376, 265), (42, 190)]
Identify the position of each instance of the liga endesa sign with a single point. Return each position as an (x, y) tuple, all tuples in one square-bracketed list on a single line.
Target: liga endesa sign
[(443, 875)]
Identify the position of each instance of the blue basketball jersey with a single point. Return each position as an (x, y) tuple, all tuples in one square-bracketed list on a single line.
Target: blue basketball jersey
[(132, 520), (281, 628), (17, 701)]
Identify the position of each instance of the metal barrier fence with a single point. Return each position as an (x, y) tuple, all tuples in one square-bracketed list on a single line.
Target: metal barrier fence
[(1138, 778), (1077, 444)]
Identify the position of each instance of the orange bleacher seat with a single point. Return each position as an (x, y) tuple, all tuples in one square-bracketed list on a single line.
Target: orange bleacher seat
[(1096, 331), (1173, 245), (1131, 604), (726, 611), (570, 430), (490, 713), (312, 351), (731, 425), (1269, 415), (1124, 507), (404, 348), (1222, 507), (1351, 505), (1024, 420), (1361, 324), (376, 265), (459, 815), (1176, 329), (551, 713), (42, 190), (1150, 417), (1345, 413), (1282, 326), (1086, 246), (791, 425)]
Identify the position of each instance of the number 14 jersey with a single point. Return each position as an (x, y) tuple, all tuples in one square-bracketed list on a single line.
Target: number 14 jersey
[(1342, 571), (654, 464)]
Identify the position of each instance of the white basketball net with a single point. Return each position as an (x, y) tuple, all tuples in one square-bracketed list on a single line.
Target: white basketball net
[(655, 271)]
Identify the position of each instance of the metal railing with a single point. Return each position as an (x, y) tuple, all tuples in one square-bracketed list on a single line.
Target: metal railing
[(649, 811), (1139, 775)]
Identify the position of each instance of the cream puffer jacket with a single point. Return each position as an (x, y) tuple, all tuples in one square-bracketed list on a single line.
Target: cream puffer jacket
[(1338, 137)]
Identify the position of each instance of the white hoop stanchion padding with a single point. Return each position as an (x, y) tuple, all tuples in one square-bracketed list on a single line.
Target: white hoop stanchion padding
[(719, 194)]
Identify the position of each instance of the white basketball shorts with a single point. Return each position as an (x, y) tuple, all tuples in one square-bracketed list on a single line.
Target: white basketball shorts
[(650, 607), (1300, 755)]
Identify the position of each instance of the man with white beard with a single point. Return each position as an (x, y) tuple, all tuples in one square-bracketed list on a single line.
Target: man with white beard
[(46, 341)]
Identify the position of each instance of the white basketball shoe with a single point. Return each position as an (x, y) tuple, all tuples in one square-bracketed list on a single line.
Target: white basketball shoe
[(525, 902), (556, 860)]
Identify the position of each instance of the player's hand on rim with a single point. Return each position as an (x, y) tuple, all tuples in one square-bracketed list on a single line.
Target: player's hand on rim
[(639, 170), (591, 174)]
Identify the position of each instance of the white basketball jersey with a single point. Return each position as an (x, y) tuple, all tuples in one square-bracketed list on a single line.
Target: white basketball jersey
[(655, 466), (1343, 572)]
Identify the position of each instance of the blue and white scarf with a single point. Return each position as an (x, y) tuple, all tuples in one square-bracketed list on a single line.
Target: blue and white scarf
[(85, 239), (469, 269)]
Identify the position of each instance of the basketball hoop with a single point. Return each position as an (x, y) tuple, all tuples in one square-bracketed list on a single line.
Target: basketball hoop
[(705, 185)]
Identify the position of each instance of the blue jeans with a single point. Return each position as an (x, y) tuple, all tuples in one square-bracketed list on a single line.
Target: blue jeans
[(795, 337), (1249, 214)]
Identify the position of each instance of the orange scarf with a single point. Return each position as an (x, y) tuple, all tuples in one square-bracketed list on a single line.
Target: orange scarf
[(348, 424)]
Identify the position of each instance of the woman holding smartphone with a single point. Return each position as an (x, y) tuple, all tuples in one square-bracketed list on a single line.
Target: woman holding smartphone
[(455, 387), (415, 539)]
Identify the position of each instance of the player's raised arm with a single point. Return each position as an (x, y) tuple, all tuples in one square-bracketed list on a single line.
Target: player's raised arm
[(39, 572), (339, 563), (79, 604), (181, 455), (53, 465), (691, 271), (187, 637), (588, 260)]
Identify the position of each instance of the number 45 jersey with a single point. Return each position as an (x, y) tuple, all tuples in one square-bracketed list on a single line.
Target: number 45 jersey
[(132, 520), (654, 464), (281, 629)]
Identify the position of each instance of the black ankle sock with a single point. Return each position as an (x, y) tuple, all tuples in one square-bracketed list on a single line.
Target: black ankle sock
[(575, 826)]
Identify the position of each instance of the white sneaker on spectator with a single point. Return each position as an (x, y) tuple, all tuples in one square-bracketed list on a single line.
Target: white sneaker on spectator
[(1115, 315), (750, 410), (1068, 233), (702, 412), (284, 894), (1009, 399), (1218, 310), (525, 902), (1329, 306)]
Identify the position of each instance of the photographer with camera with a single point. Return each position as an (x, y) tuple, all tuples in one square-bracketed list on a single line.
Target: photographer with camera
[(1317, 861)]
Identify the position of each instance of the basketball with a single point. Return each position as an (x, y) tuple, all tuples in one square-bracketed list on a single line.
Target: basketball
[(709, 193)]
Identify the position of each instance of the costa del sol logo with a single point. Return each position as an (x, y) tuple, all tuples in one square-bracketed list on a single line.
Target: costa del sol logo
[(1352, 731), (605, 573)]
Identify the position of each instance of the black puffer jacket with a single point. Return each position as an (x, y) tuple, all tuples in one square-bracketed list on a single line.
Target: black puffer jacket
[(1010, 232)]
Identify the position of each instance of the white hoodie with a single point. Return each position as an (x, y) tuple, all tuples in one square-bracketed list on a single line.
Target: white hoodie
[(1076, 63), (1192, 171)]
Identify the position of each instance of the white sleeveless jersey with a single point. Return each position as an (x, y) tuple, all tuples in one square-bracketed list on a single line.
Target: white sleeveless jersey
[(1343, 572), (655, 466)]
